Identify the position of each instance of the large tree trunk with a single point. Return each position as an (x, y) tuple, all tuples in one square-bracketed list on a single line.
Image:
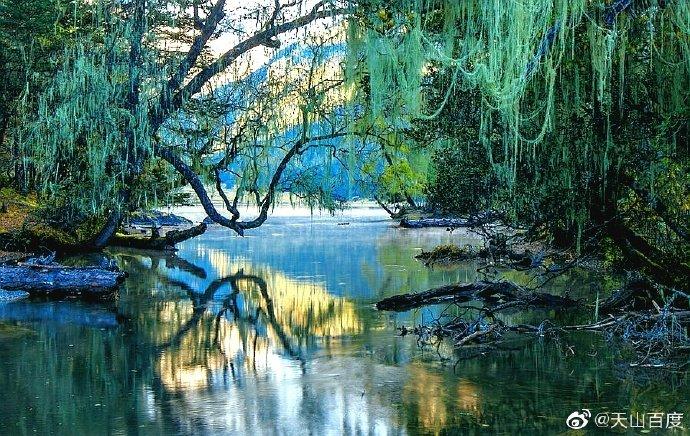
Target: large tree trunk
[(55, 280), (656, 264), (166, 242), (108, 230)]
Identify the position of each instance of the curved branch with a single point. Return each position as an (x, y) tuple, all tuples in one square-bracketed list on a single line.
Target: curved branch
[(197, 185), (266, 202), (214, 17), (170, 104)]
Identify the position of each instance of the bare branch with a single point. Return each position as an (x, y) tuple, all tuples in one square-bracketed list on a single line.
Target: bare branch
[(197, 185), (195, 85), (214, 17), (268, 198)]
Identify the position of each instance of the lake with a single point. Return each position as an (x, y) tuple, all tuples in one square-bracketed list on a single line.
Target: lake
[(276, 333)]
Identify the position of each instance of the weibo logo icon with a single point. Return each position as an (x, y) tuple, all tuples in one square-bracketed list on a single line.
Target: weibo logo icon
[(578, 419)]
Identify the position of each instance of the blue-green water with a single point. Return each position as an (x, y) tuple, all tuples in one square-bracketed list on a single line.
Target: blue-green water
[(276, 333)]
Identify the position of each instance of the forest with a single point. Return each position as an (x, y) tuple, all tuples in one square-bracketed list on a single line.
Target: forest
[(533, 142)]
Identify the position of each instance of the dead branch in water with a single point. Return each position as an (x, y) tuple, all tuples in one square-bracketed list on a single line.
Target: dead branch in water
[(476, 220), (494, 294), (650, 321)]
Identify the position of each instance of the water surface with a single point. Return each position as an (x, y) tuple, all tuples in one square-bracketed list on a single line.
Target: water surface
[(276, 333)]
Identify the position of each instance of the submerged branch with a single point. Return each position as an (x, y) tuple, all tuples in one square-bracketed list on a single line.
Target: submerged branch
[(494, 294), (652, 322)]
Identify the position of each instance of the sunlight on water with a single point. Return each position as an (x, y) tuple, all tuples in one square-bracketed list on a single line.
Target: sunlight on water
[(276, 333)]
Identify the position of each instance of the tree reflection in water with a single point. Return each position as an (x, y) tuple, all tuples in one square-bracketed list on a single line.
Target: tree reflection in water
[(213, 343), (253, 321)]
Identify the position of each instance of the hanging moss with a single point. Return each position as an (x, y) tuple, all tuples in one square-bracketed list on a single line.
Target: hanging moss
[(554, 79), (77, 142)]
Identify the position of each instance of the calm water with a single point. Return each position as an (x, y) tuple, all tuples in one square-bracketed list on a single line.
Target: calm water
[(276, 333)]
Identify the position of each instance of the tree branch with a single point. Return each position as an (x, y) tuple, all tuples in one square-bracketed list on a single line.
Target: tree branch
[(195, 85), (197, 185), (214, 17), (266, 202)]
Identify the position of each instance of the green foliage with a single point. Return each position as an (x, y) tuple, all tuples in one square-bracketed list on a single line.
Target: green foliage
[(31, 32), (399, 179), (81, 135), (571, 104), (135, 82), (463, 181)]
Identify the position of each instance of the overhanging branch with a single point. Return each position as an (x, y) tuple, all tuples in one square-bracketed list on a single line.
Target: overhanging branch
[(197, 185)]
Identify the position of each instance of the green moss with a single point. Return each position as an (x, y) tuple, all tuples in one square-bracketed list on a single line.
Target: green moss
[(17, 209), (27, 225)]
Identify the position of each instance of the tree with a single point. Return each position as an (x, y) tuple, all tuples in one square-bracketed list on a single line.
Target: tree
[(30, 34), (579, 110), (127, 95)]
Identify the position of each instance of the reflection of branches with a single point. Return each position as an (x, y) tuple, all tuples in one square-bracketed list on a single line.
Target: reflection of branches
[(186, 266), (171, 261), (269, 313), (200, 302), (247, 320)]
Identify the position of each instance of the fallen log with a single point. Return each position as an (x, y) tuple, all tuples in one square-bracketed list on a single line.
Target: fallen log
[(156, 241), (434, 222), (443, 294), (59, 280), (472, 221), (493, 293)]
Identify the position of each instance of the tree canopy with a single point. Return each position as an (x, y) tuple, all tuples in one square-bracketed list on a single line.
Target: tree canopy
[(172, 81), (578, 108), (569, 116)]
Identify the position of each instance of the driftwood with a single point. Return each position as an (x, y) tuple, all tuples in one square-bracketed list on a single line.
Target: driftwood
[(435, 222), (493, 293), (649, 320), (60, 280), (472, 221)]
